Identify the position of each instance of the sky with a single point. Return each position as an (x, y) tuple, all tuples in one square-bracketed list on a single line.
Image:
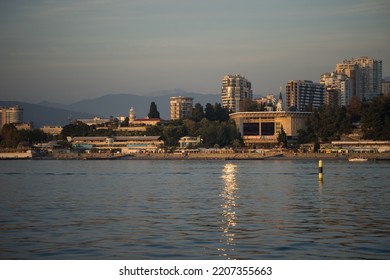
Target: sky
[(66, 51)]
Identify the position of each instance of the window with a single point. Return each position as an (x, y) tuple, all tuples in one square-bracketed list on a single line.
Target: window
[(267, 128), (251, 129)]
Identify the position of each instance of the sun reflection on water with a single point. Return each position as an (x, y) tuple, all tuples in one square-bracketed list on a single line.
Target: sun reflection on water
[(228, 206)]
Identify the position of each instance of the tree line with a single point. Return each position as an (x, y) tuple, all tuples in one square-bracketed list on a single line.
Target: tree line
[(10, 137), (212, 123), (327, 123)]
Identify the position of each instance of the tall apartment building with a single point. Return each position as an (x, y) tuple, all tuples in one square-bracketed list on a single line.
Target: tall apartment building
[(235, 89), (338, 88), (301, 94), (365, 74), (12, 115), (181, 107), (351, 70)]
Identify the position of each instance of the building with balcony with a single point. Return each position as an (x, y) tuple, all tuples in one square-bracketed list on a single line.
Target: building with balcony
[(181, 107), (11, 115), (351, 70), (365, 74), (235, 89), (303, 94), (338, 89)]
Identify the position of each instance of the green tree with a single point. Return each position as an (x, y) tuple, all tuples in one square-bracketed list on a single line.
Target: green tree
[(198, 113), (236, 143), (325, 124), (221, 114), (282, 138), (191, 127), (10, 136), (212, 132), (205, 131), (34, 136), (77, 129), (232, 132), (249, 105), (155, 130), (316, 146), (209, 112), (376, 119), (355, 109), (218, 133), (222, 137), (153, 113), (125, 123), (172, 133)]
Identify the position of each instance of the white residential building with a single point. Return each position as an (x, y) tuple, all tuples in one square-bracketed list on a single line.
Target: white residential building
[(338, 88), (181, 107), (235, 89), (365, 74)]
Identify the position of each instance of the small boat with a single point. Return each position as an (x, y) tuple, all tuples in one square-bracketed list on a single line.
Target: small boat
[(357, 159)]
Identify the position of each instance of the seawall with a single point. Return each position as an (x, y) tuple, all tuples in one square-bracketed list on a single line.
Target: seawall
[(16, 155)]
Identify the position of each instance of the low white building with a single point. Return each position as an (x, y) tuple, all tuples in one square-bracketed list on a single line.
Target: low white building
[(123, 144), (94, 121), (367, 146), (188, 141), (52, 130)]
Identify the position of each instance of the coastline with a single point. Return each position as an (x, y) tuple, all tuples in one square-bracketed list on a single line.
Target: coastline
[(214, 156)]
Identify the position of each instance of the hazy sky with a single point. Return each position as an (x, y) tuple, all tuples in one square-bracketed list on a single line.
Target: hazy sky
[(65, 51)]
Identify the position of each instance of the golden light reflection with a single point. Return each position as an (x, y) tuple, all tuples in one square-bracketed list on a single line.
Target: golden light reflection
[(228, 206), (320, 184)]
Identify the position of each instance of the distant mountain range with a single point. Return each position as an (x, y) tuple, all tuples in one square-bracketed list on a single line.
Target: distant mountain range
[(45, 113), (120, 104)]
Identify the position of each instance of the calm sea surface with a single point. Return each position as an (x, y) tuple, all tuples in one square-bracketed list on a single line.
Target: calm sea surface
[(140, 209)]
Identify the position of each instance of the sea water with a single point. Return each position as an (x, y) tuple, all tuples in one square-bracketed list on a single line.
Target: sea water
[(190, 209)]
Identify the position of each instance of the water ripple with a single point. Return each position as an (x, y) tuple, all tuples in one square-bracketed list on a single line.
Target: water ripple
[(193, 210)]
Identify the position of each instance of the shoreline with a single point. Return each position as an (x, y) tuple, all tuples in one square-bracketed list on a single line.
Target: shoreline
[(215, 156)]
